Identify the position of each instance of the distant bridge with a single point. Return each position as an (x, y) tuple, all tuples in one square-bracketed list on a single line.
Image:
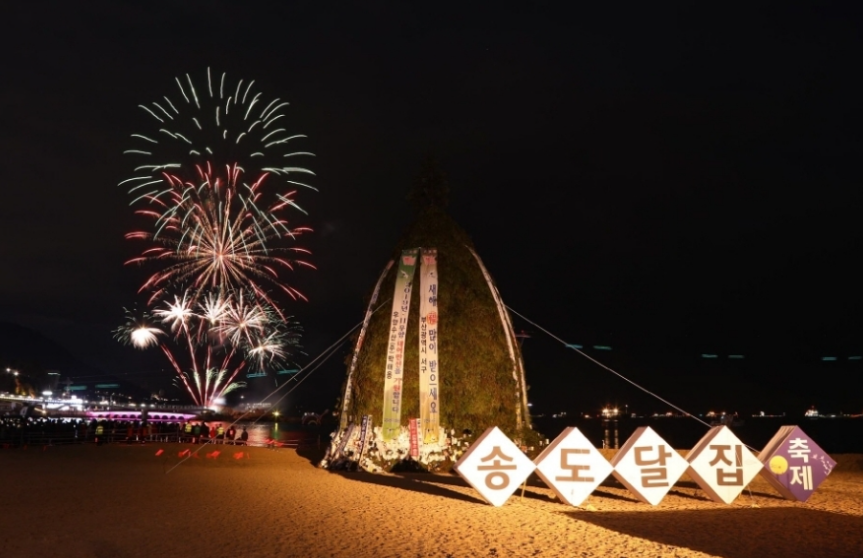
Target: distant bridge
[(153, 415)]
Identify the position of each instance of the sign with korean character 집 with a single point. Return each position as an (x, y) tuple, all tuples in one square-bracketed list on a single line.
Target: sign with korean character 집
[(648, 466), (721, 465), (572, 467), (494, 466), (794, 464)]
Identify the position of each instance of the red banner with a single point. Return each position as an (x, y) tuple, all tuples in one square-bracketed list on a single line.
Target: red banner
[(415, 444)]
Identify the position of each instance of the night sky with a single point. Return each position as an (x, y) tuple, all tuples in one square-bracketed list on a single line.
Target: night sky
[(666, 180)]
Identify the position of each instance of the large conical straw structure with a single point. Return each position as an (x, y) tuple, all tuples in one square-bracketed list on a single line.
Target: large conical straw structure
[(482, 378)]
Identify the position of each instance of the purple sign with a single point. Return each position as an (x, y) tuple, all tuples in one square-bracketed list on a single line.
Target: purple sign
[(794, 464), (364, 432)]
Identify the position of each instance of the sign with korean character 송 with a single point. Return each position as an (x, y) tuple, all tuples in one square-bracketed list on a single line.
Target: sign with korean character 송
[(494, 466), (794, 464), (648, 466), (572, 467), (721, 465)]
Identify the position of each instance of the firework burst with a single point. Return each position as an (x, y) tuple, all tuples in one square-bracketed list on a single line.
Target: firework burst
[(216, 123), (219, 337), (214, 233), (215, 187), (215, 178)]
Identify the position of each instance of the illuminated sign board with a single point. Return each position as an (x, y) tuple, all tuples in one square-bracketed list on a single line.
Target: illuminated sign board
[(572, 467), (647, 465), (794, 464), (721, 465)]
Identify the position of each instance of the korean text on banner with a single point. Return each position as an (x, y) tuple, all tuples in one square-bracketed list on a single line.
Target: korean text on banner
[(346, 404), (414, 438), (428, 349), (392, 408), (365, 426)]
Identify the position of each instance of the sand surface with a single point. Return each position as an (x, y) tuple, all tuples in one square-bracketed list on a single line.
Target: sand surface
[(124, 501)]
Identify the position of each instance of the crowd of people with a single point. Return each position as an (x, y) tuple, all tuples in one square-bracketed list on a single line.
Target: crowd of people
[(200, 432), (19, 431)]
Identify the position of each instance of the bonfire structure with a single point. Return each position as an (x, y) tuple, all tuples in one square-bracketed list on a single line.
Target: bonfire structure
[(436, 361)]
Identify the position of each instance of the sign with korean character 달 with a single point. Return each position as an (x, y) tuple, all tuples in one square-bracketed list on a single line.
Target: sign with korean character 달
[(648, 466), (794, 464), (721, 465), (494, 466), (572, 467)]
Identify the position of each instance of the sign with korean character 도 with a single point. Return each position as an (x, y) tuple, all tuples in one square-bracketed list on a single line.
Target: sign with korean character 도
[(572, 467)]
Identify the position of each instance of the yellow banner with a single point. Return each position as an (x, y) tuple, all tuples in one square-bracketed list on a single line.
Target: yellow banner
[(392, 410), (428, 338)]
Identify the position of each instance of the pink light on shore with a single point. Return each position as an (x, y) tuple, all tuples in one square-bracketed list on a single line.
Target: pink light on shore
[(171, 416)]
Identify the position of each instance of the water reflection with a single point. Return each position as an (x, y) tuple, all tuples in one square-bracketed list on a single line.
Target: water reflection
[(262, 433)]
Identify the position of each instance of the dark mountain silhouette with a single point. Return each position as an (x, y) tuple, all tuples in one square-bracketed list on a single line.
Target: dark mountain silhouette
[(45, 363), (19, 344)]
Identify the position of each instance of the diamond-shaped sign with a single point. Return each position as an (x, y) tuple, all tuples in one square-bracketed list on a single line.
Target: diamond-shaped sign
[(794, 464), (648, 466), (572, 467), (721, 465), (494, 466)]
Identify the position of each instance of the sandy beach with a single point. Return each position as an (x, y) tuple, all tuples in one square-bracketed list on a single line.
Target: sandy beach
[(125, 501)]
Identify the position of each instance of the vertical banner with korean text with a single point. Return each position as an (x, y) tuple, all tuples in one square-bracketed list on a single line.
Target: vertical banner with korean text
[(413, 431), (392, 408), (428, 338), (365, 426), (346, 404)]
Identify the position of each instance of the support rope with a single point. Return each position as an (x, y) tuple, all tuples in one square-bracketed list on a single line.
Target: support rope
[(601, 365)]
